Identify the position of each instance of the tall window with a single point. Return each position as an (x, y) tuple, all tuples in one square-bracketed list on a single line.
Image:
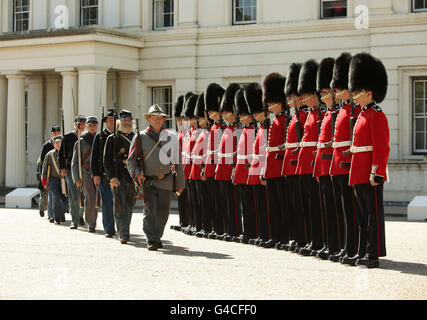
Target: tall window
[(21, 15), (333, 9), (244, 11), (88, 12), (420, 115), (163, 97), (163, 14), (419, 5)]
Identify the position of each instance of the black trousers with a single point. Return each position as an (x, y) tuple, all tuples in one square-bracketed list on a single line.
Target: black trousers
[(217, 205), (298, 228), (205, 205), (248, 209), (331, 231), (194, 203), (183, 208), (280, 218), (263, 214), (232, 215), (371, 219), (312, 210), (348, 219)]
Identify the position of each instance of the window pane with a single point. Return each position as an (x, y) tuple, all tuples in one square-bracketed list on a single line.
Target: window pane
[(239, 14), (332, 9), (419, 4), (248, 14), (419, 90), (419, 125), (420, 141), (419, 107)]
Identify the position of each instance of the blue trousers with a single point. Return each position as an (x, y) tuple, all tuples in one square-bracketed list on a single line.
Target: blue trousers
[(55, 200), (107, 206)]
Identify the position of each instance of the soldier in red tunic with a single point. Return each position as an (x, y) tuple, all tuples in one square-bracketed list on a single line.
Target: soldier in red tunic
[(227, 158), (341, 161), (241, 173), (309, 186), (198, 155), (253, 97), (188, 145), (213, 96), (368, 83), (294, 135), (275, 100), (323, 160)]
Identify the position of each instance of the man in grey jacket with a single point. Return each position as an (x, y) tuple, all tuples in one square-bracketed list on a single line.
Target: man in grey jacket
[(157, 150)]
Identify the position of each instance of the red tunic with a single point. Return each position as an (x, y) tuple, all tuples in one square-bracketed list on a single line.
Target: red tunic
[(276, 137), (290, 162), (199, 154), (324, 155), (244, 155), (187, 146), (227, 154), (258, 160), (213, 145), (340, 163), (371, 129)]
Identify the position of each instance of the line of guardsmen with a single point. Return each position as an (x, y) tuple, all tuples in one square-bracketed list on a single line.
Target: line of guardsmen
[(310, 183)]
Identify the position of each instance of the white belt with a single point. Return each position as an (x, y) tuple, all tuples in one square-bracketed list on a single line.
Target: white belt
[(226, 155), (258, 156), (244, 157), (210, 152), (341, 144), (198, 157), (308, 144), (354, 149), (324, 145), (274, 149), (292, 145)]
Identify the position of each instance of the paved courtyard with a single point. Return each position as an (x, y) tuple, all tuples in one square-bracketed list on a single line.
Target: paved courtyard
[(39, 260)]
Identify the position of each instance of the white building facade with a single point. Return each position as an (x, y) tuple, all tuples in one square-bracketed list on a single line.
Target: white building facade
[(140, 52)]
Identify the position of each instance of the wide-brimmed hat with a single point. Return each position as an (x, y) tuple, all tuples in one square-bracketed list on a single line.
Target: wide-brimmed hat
[(155, 110)]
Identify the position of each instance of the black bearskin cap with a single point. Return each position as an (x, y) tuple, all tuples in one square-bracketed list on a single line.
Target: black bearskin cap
[(340, 73), (253, 97), (213, 96), (199, 112), (324, 74), (291, 86), (273, 89), (177, 107), (190, 105), (228, 98), (240, 102), (368, 73), (307, 77)]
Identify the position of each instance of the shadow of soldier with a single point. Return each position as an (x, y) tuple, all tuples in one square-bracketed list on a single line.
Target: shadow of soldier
[(404, 267), (170, 249)]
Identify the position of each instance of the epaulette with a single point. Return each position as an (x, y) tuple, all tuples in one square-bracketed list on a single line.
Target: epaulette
[(305, 109), (377, 108)]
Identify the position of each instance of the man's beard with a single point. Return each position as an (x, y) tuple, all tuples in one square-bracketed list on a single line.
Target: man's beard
[(125, 128)]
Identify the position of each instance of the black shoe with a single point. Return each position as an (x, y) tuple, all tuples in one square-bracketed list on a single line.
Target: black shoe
[(51, 220), (73, 226), (82, 222), (110, 234), (92, 230), (212, 235), (258, 241), (305, 251), (269, 244), (351, 261), (336, 257), (199, 234), (153, 246), (58, 222), (368, 262), (124, 240), (41, 212), (228, 238), (62, 219), (292, 246), (285, 246), (244, 240), (278, 246), (236, 239), (323, 253)]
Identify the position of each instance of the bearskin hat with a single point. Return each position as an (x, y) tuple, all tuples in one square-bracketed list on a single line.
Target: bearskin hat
[(340, 73), (324, 74), (307, 77), (368, 73), (190, 105), (291, 86), (227, 103), (273, 88), (213, 96), (240, 102), (253, 97), (199, 112), (177, 107)]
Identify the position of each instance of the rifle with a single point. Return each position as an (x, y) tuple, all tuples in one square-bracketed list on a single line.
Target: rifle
[(46, 198), (100, 150), (140, 188), (298, 127), (79, 155), (63, 183)]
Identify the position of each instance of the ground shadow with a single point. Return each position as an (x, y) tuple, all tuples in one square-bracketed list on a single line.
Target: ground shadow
[(404, 267), (170, 249)]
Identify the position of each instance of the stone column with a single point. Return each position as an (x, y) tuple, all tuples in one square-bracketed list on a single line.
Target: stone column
[(69, 83), (15, 136), (53, 102), (35, 132), (92, 91), (129, 92), (3, 126)]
